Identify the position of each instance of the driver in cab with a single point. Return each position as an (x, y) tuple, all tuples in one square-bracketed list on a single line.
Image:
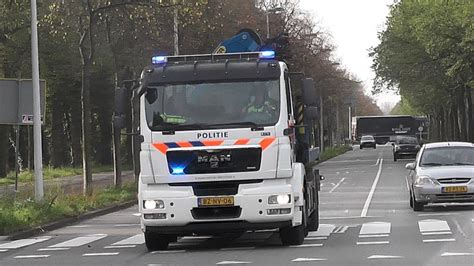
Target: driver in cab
[(260, 108)]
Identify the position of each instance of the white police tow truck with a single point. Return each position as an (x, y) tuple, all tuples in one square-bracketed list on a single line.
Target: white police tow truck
[(221, 150)]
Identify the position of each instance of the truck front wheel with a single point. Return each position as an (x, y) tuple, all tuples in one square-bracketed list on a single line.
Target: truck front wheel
[(155, 241), (294, 235)]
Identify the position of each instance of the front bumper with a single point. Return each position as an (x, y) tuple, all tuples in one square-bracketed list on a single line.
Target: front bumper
[(250, 204), (434, 194)]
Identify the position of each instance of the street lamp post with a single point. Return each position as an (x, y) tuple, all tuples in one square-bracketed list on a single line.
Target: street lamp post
[(271, 10)]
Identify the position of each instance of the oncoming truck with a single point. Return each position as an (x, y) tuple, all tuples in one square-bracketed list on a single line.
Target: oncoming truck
[(221, 151)]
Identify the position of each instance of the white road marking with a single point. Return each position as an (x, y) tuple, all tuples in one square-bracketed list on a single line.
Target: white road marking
[(369, 236), (31, 256), (233, 262), (52, 249), (341, 229), (373, 243), (308, 259), (316, 238), (237, 248), (23, 242), (100, 254), (433, 225), (79, 241), (126, 225), (196, 237), (372, 190), (439, 240), (375, 228), (137, 239), (168, 251), (337, 185), (437, 214), (306, 245), (324, 230), (346, 217), (384, 257), (446, 254), (137, 214), (3, 250), (123, 246), (80, 226), (378, 161), (436, 233)]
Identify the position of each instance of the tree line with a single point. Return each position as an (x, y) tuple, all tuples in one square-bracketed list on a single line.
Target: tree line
[(89, 47), (426, 53)]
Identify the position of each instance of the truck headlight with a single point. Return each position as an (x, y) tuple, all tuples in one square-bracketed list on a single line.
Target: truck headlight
[(279, 199), (153, 204), (424, 180)]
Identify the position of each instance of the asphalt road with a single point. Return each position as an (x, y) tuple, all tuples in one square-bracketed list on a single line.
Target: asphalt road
[(365, 220)]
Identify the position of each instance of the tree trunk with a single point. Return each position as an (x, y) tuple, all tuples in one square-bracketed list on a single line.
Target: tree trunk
[(469, 110), (86, 126), (59, 152), (75, 135), (461, 117)]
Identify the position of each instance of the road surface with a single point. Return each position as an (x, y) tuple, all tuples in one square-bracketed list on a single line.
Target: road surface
[(365, 220)]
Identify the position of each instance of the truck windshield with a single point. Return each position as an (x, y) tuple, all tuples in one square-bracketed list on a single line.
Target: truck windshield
[(213, 105)]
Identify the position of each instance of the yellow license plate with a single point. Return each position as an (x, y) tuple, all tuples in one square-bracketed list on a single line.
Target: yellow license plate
[(216, 201), (454, 189)]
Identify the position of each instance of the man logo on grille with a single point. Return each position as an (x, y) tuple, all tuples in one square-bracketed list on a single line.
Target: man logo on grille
[(214, 159)]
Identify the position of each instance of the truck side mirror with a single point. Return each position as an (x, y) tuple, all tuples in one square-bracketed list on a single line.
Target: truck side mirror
[(312, 112), (310, 94), (151, 95)]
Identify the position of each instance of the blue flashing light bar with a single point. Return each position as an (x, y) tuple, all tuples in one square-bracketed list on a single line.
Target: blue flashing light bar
[(178, 170), (267, 55), (159, 60)]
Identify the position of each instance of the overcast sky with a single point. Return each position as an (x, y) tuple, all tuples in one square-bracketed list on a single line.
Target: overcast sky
[(353, 26)]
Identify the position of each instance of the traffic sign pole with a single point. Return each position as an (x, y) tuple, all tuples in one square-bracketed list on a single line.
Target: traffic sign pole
[(39, 193)]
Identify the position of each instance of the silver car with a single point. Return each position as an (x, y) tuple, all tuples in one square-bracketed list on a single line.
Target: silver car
[(443, 172)]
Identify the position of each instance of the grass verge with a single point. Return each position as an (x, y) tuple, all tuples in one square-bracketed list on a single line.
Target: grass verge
[(331, 152), (25, 213), (51, 173)]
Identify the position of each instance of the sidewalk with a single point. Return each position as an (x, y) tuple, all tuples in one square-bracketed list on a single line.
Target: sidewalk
[(68, 184)]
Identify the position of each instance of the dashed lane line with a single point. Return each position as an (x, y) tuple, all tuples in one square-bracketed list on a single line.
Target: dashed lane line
[(384, 257), (439, 240), (373, 243), (308, 259), (373, 236), (31, 256), (100, 254), (123, 246), (306, 245), (237, 248), (137, 239), (225, 262), (448, 254), (168, 251), (436, 233)]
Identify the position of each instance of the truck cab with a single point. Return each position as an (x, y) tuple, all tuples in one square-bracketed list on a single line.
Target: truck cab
[(219, 149)]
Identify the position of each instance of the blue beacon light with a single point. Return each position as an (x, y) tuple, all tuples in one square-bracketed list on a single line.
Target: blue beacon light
[(267, 55), (159, 59)]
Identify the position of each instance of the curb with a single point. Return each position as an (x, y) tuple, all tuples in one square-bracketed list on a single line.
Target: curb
[(67, 221)]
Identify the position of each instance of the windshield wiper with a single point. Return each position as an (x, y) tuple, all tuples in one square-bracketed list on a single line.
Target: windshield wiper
[(431, 164), (252, 125), (170, 128)]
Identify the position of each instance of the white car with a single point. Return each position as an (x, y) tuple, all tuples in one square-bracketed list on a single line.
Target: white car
[(443, 172), (367, 141)]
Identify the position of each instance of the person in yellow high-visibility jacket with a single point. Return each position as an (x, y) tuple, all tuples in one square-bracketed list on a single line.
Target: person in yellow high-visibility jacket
[(260, 108)]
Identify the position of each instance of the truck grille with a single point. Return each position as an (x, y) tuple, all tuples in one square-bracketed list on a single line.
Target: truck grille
[(214, 161), (453, 180), (216, 212), (220, 188)]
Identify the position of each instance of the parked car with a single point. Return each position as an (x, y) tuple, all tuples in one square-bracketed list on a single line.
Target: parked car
[(442, 172), (405, 146), (367, 141)]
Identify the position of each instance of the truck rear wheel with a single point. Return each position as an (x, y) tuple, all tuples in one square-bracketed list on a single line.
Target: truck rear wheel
[(155, 241)]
